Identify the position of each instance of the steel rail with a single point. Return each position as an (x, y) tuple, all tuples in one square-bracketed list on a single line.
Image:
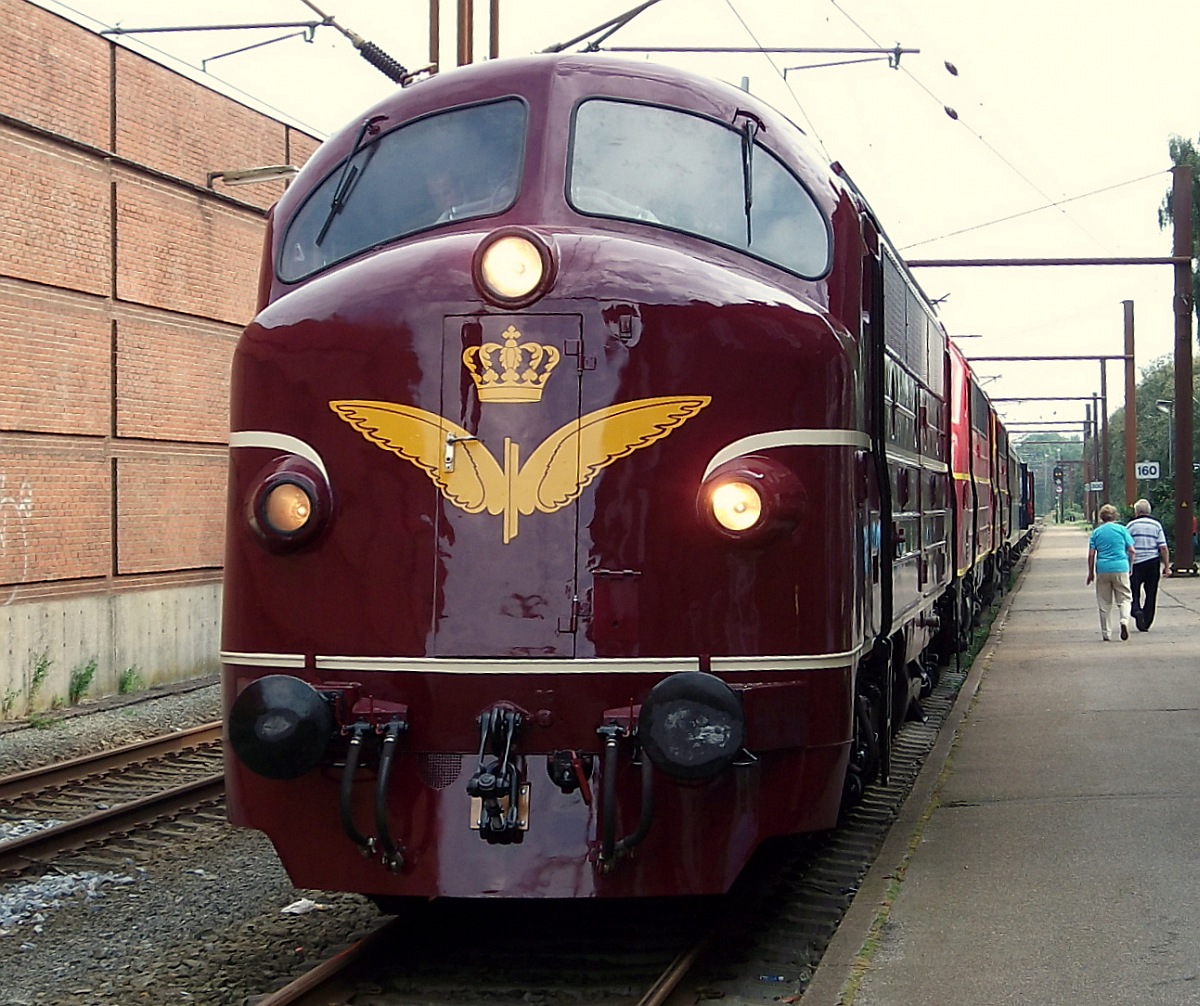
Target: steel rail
[(660, 992), (40, 847), (36, 780), (331, 980), (313, 986)]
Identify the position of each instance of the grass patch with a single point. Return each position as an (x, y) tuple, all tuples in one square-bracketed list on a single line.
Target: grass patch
[(130, 681), (81, 680), (41, 668)]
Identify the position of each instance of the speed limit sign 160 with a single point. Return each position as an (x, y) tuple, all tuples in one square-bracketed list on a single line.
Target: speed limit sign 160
[(1146, 470)]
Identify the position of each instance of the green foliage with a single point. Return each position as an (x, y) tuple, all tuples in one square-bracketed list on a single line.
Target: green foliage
[(8, 703), (81, 680), (1042, 452), (130, 680), (41, 668), (1154, 443)]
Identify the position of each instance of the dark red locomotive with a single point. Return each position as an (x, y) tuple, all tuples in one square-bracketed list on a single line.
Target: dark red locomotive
[(591, 513)]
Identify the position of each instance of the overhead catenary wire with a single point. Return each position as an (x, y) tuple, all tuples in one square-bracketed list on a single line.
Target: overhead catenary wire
[(812, 129), (613, 24), (1037, 209), (391, 68), (952, 113)]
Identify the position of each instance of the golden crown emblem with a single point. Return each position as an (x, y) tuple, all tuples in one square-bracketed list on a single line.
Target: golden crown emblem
[(512, 372)]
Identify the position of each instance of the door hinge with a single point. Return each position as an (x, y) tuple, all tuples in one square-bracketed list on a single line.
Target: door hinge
[(581, 611)]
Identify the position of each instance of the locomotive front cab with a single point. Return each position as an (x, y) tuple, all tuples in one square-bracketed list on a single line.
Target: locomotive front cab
[(546, 495)]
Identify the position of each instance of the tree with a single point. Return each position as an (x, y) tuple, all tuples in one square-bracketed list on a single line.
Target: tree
[(1043, 453), (1183, 152), (1154, 433)]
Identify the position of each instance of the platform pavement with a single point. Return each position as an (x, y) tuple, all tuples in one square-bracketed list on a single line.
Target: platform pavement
[(1050, 850)]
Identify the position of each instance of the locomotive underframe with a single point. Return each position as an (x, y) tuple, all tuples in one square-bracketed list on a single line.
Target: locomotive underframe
[(593, 816)]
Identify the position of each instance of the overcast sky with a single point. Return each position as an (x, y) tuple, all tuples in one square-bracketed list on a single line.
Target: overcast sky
[(1064, 112)]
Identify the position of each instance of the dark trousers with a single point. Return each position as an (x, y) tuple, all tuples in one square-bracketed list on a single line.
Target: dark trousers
[(1144, 575)]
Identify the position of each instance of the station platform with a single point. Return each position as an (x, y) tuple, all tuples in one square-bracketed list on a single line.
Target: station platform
[(1049, 852)]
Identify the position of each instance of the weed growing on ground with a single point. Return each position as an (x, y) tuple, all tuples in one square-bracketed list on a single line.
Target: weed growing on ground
[(41, 668), (130, 680), (81, 680)]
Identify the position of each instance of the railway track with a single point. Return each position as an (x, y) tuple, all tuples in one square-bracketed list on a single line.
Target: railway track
[(615, 954), (53, 810)]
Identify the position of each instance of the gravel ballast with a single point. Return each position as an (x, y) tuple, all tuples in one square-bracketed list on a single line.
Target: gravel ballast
[(212, 920)]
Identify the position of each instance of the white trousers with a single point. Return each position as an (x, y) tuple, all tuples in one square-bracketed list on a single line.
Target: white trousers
[(1112, 587)]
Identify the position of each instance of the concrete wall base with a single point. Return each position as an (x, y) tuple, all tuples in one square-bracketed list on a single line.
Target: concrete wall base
[(135, 638)]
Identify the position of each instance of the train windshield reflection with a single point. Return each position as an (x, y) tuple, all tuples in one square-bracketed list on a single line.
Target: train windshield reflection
[(457, 165), (678, 170)]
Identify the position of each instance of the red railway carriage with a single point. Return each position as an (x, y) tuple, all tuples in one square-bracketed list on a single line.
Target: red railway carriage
[(588, 492), (978, 502)]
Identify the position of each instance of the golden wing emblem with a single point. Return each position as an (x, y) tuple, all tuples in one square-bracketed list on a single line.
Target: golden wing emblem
[(472, 481), (569, 459), (562, 466)]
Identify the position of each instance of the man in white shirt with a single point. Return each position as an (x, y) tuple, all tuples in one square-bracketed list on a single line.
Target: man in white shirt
[(1150, 557)]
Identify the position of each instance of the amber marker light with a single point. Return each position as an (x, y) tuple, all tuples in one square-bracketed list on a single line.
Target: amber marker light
[(751, 500), (513, 267), (289, 504), (287, 508), (737, 506)]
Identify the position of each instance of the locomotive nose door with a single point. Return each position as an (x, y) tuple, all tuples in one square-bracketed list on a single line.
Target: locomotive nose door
[(505, 578)]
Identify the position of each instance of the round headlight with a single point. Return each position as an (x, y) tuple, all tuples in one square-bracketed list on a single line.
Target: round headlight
[(289, 503), (737, 506), (287, 508), (750, 500), (513, 267)]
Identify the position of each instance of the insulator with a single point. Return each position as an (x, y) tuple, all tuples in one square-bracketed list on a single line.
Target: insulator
[(392, 69)]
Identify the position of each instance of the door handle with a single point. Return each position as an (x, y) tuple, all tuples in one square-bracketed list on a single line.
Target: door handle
[(451, 440)]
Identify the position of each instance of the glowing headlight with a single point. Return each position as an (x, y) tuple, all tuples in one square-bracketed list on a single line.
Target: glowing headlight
[(289, 503), (750, 500), (287, 508), (737, 506), (513, 267)]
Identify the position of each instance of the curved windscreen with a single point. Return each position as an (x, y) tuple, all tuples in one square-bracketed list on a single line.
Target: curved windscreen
[(678, 170), (452, 166)]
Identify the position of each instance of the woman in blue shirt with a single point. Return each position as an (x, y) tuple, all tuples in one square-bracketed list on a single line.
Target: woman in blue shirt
[(1110, 556)]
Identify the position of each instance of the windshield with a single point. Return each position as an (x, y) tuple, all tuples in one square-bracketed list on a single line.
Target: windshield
[(667, 167), (455, 165)]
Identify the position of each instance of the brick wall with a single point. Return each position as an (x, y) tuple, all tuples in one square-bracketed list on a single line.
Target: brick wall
[(124, 284), (157, 113), (56, 361), (56, 206), (172, 377), (56, 75), (54, 512), (185, 251), (170, 512)]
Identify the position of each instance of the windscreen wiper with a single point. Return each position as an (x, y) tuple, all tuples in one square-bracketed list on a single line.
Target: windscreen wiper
[(749, 131), (342, 191)]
